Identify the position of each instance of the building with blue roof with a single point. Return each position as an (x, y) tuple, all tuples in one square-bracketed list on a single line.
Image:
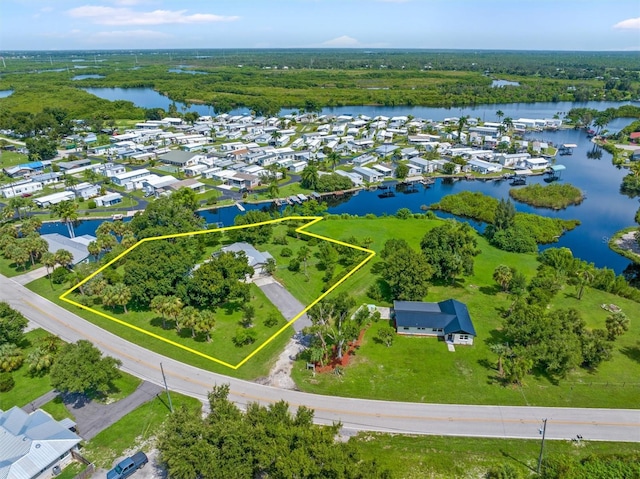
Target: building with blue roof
[(449, 319)]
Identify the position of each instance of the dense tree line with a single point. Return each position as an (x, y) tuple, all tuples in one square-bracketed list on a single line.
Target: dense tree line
[(507, 229), (262, 442)]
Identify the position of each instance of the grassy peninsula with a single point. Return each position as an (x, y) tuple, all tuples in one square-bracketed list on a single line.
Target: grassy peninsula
[(556, 196)]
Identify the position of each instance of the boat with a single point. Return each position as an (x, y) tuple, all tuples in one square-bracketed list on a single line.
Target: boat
[(520, 180), (387, 194), (295, 199), (116, 217), (383, 187), (302, 197)]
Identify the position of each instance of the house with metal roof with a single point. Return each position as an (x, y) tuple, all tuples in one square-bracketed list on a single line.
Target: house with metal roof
[(34, 444), (447, 319), (77, 246), (256, 259)]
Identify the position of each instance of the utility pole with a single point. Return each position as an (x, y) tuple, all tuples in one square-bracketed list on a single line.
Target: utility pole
[(169, 395), (543, 431)]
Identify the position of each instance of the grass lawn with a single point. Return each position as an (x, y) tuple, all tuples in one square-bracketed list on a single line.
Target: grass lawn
[(12, 158), (221, 346), (10, 269), (27, 387), (417, 457), (135, 431), (468, 375)]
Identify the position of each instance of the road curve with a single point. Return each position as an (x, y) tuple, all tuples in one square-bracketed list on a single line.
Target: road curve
[(355, 414)]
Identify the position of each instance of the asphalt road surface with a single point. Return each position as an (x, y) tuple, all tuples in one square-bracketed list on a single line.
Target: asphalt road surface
[(355, 414)]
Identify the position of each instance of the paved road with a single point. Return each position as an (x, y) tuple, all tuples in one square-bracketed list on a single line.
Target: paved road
[(356, 414)]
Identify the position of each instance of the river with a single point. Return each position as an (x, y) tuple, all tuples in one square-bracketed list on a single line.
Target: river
[(601, 214)]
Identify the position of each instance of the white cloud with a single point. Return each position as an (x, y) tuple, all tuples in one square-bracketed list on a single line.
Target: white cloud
[(129, 35), (343, 41), (126, 16), (628, 24)]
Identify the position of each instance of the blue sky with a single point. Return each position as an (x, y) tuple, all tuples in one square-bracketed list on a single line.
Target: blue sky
[(455, 24)]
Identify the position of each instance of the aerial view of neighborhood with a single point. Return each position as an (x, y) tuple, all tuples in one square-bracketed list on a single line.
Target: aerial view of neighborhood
[(319, 239)]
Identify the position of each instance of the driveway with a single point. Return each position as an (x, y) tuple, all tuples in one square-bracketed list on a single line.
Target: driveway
[(282, 299), (93, 417)]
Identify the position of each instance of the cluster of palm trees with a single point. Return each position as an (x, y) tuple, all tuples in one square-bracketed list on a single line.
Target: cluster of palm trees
[(184, 317), (23, 244)]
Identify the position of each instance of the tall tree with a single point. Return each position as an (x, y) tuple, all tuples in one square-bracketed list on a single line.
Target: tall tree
[(63, 257), (12, 324), (617, 324), (450, 250), (406, 271), (503, 276), (80, 368), (67, 211), (309, 176)]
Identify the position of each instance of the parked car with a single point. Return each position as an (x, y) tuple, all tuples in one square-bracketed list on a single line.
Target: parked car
[(128, 466)]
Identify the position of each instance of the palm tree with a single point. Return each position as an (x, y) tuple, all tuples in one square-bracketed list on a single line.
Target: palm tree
[(508, 123), (462, 122), (499, 114), (63, 257), (503, 275), (334, 159), (583, 278), (304, 253), (188, 318), (17, 253), (109, 296), (309, 176), (273, 188), (49, 261), (161, 305), (174, 306), (122, 295), (501, 350), (18, 203), (206, 323), (30, 225), (94, 249), (68, 213), (36, 246)]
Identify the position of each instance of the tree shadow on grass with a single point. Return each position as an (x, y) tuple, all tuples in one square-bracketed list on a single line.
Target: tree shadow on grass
[(490, 290), (632, 352), (515, 459)]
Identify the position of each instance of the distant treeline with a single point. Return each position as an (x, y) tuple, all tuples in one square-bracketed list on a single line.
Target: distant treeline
[(266, 81)]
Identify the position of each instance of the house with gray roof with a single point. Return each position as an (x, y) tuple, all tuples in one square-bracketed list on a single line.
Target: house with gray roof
[(447, 319), (256, 259), (77, 246), (34, 444)]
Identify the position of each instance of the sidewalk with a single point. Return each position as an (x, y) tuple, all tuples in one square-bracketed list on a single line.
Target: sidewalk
[(30, 276)]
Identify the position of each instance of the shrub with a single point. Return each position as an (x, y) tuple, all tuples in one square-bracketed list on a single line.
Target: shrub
[(294, 265), (244, 336), (271, 320), (404, 214), (91, 204), (59, 275), (282, 240), (286, 252), (6, 382)]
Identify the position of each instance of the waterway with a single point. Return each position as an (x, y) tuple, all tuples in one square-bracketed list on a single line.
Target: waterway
[(601, 214), (5, 93), (86, 77)]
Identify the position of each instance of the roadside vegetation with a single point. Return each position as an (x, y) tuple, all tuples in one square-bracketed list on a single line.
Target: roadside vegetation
[(555, 196)]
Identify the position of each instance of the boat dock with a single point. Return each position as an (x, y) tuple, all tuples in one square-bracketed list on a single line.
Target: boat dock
[(240, 207)]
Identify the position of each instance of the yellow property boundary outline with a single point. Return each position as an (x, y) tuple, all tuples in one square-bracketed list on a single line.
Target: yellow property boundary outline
[(301, 230)]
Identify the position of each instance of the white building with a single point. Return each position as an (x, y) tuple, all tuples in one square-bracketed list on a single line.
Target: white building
[(23, 188), (34, 445)]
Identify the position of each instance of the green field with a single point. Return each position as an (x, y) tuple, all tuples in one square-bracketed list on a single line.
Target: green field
[(417, 457), (468, 375)]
